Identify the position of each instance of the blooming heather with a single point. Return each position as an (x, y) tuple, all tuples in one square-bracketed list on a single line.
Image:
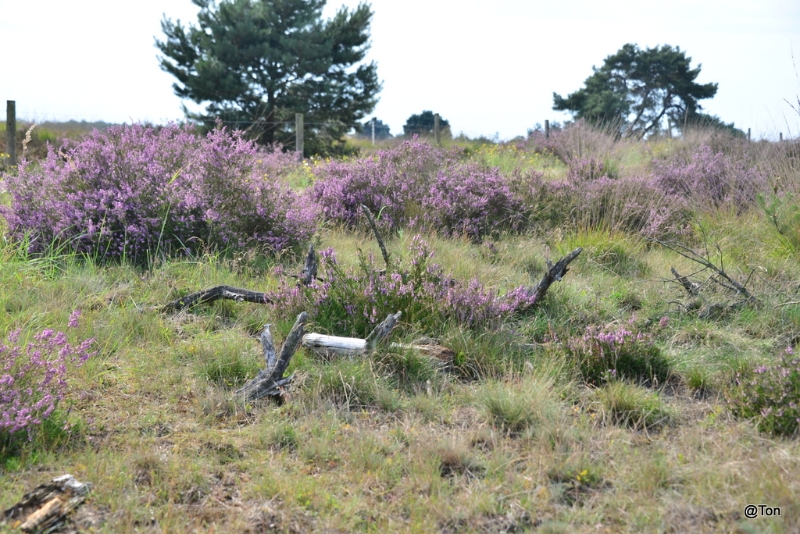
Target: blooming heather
[(710, 179), (33, 376), (135, 191), (770, 395), (354, 301), (603, 353), (417, 182)]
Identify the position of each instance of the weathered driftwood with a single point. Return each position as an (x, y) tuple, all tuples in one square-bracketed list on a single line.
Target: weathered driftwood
[(554, 274), (378, 237), (382, 331), (352, 346), (46, 507), (270, 382), (215, 293)]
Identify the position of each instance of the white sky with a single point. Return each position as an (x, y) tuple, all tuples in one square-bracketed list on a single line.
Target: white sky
[(488, 67)]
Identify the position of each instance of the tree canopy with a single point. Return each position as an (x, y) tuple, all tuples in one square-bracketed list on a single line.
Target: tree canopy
[(636, 89), (255, 63), (422, 124)]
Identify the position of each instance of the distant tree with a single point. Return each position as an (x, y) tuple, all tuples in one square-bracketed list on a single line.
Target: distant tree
[(381, 129), (422, 124), (258, 62), (637, 89)]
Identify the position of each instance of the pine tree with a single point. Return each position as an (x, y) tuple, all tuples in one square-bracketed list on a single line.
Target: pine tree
[(255, 63), (636, 89)]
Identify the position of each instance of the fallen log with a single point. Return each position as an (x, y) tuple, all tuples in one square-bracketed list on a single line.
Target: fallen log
[(270, 382), (47, 506)]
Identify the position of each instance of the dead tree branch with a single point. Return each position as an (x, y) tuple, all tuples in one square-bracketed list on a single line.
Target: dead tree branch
[(378, 237), (269, 382), (722, 278), (309, 273), (554, 274), (380, 332), (216, 293)]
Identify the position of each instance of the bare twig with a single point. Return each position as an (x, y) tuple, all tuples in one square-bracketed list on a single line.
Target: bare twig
[(375, 231), (693, 288), (729, 283)]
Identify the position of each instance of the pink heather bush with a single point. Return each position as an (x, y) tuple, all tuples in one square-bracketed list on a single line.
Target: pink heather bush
[(421, 183), (33, 377), (710, 179), (627, 204), (604, 354), (354, 302), (770, 395), (135, 191)]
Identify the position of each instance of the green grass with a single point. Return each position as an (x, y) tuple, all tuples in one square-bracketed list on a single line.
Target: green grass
[(510, 436)]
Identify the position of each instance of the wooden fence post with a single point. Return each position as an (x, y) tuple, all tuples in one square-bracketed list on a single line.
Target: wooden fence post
[(748, 134), (436, 129), (546, 129), (373, 131), (11, 131), (780, 137), (298, 127)]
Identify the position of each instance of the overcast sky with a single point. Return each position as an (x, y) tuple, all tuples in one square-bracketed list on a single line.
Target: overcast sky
[(488, 67)]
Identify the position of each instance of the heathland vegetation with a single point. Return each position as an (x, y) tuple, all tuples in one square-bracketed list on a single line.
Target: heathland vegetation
[(654, 388)]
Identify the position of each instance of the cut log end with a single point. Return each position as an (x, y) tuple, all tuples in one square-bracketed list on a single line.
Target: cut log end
[(47, 506)]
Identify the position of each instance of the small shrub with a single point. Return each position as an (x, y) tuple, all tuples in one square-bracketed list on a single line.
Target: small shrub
[(283, 437), (631, 405), (586, 170), (229, 368), (575, 478), (710, 179), (770, 395), (618, 354), (456, 459), (34, 377), (633, 204), (783, 212), (531, 402), (351, 384)]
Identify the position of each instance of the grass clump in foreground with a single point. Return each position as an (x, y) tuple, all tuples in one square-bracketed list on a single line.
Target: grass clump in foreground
[(614, 402)]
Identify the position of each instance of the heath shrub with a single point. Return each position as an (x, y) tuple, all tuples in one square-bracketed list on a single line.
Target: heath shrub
[(33, 376), (770, 395), (136, 191)]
